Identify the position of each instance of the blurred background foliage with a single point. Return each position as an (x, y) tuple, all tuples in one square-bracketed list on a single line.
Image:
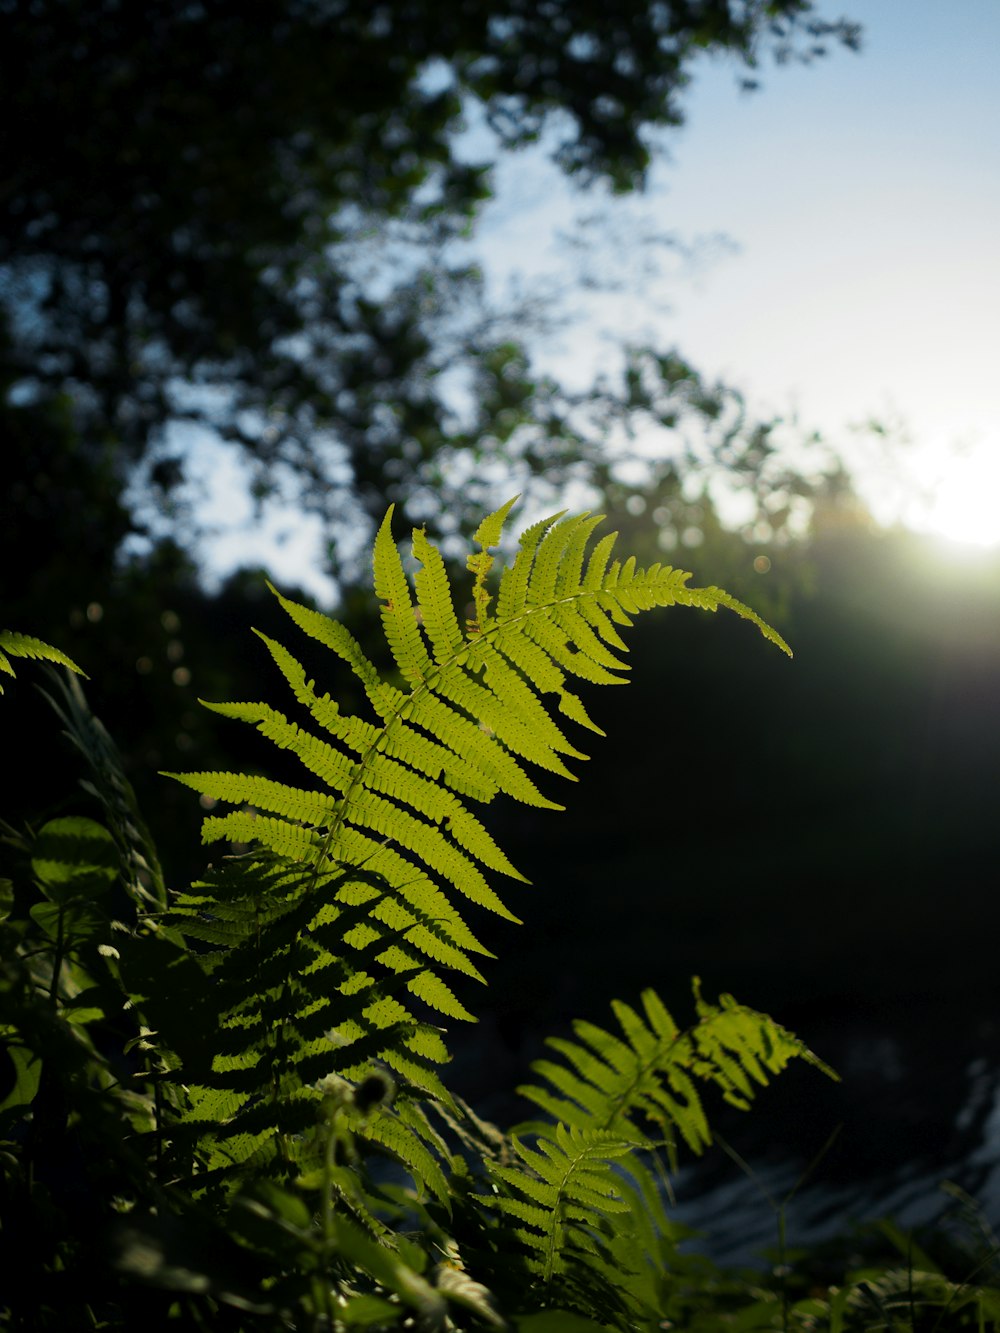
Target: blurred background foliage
[(251, 229), (211, 228)]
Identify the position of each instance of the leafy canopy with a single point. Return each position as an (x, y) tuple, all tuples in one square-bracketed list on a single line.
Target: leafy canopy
[(191, 204)]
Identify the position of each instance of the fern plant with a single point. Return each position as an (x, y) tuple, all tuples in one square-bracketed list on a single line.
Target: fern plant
[(336, 948), (13, 644), (384, 856), (286, 1010), (461, 724)]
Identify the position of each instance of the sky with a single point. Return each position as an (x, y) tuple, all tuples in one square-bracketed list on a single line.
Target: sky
[(844, 224), (861, 197)]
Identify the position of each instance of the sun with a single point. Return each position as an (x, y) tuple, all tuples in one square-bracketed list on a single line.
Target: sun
[(958, 495)]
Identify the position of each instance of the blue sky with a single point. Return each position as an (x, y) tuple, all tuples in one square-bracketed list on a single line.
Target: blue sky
[(863, 194), (861, 197)]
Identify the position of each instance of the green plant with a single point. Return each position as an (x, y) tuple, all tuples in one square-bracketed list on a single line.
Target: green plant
[(13, 644), (255, 1060)]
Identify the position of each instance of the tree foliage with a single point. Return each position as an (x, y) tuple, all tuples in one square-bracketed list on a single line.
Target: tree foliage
[(249, 226)]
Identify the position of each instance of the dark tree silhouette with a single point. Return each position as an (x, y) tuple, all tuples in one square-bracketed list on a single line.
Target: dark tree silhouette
[(191, 195)]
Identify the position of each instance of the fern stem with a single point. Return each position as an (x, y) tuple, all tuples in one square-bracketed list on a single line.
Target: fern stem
[(326, 1210), (158, 1127), (57, 957)]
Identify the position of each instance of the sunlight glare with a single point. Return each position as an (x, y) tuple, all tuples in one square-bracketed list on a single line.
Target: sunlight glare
[(961, 499)]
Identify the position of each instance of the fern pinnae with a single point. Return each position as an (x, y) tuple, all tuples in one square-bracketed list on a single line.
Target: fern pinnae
[(580, 633), (505, 723), (386, 858), (438, 762), (597, 563), (492, 764), (568, 1185), (399, 620), (592, 611), (554, 640), (414, 887), (13, 644), (308, 807), (548, 562), (536, 665), (400, 1134), (437, 609), (523, 654), (366, 809), (569, 575), (486, 536), (355, 732), (246, 826), (513, 595), (384, 698), (401, 783), (507, 682)]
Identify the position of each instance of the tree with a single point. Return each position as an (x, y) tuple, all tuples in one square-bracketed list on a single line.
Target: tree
[(249, 227)]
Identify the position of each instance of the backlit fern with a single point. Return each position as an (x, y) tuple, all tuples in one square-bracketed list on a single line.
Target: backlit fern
[(285, 1009), (463, 722), (13, 644)]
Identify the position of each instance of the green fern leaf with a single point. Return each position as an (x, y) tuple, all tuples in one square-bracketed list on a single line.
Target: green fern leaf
[(23, 645), (392, 1133), (649, 1075), (568, 1186), (399, 618), (324, 949), (437, 611)]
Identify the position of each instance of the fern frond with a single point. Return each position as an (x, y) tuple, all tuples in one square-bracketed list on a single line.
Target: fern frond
[(13, 644), (141, 872), (391, 1132), (561, 1191), (648, 1076), (380, 856)]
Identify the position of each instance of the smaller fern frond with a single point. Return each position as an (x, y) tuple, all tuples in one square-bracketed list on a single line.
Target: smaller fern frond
[(561, 1191), (486, 536), (141, 872), (13, 644), (648, 1076)]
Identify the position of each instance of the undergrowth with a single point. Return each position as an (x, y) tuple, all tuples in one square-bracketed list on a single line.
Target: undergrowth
[(224, 1104)]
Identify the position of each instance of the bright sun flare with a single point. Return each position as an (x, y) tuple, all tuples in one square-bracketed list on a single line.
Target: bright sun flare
[(962, 502), (952, 493)]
